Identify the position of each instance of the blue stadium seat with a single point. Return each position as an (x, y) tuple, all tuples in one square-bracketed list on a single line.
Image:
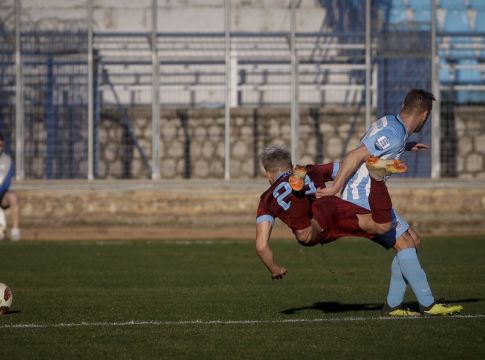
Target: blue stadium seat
[(456, 21), (397, 16), (477, 4), (480, 20), (453, 4), (469, 75), (480, 27), (398, 4), (445, 73), (423, 15), (420, 5)]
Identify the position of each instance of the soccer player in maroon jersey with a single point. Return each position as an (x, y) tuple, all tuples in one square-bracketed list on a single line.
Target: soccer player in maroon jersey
[(314, 221)]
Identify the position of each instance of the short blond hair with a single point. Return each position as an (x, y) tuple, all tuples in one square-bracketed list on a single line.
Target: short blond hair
[(276, 158)]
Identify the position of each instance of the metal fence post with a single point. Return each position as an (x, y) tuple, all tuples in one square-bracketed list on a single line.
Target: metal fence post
[(155, 96), (436, 112), (90, 91), (295, 119), (19, 97), (368, 63), (227, 92)]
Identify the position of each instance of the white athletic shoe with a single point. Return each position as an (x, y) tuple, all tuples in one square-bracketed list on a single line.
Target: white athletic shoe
[(15, 234)]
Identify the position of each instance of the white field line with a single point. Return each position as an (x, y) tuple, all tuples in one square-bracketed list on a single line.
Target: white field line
[(227, 322)]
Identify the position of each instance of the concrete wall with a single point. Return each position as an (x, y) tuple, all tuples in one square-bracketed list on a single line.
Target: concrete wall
[(197, 209), (179, 15)]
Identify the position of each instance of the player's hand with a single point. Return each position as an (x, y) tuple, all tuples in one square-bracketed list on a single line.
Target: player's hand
[(327, 191), (278, 274), (414, 146)]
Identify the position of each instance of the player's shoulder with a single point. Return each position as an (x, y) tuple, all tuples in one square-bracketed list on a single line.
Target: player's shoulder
[(392, 124)]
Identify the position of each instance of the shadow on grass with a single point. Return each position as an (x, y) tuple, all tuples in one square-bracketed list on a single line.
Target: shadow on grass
[(338, 307), (333, 307)]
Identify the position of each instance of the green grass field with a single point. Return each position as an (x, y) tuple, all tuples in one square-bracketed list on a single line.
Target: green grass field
[(194, 300)]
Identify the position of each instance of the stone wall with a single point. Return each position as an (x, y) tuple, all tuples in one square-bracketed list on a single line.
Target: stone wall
[(470, 131), (192, 141)]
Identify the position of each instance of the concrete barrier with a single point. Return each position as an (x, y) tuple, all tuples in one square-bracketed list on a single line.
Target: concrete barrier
[(207, 209)]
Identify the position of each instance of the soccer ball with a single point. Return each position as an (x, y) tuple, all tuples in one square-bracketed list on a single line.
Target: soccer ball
[(6, 298)]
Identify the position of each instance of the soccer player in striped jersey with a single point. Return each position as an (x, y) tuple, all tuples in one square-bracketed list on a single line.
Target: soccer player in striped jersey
[(8, 199), (386, 139)]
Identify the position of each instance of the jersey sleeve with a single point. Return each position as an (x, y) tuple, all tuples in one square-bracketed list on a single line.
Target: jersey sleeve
[(7, 179), (382, 143), (264, 214)]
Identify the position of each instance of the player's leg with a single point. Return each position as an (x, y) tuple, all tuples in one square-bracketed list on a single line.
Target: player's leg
[(10, 200), (398, 283), (416, 238), (307, 230), (300, 215), (415, 276), (380, 203), (379, 221)]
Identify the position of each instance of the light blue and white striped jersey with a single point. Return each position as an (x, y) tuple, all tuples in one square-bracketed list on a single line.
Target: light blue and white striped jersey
[(6, 172), (386, 138)]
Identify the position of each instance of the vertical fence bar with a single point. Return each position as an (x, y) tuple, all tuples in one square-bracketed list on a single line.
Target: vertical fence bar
[(295, 120), (155, 96), (436, 112), (227, 92), (19, 97), (90, 91), (368, 63)]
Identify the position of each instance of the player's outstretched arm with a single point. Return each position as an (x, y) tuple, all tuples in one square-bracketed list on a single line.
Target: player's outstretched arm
[(263, 233), (350, 164)]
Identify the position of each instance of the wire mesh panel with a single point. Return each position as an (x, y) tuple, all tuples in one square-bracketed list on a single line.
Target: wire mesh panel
[(54, 66), (403, 60), (191, 48), (331, 77), (122, 89), (461, 50), (7, 74)]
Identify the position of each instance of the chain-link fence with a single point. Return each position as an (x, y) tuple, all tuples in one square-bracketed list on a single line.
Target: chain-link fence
[(195, 89)]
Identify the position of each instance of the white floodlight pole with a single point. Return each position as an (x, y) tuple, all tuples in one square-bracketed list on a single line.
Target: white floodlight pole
[(19, 97), (368, 63), (436, 112), (155, 96), (227, 93), (90, 91), (295, 119)]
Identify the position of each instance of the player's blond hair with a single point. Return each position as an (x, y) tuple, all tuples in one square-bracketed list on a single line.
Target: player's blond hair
[(276, 158)]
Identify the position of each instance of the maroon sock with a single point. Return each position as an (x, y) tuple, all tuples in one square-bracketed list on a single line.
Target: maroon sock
[(380, 202), (300, 212)]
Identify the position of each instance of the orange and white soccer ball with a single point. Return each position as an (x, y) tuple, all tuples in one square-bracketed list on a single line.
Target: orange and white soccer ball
[(6, 298)]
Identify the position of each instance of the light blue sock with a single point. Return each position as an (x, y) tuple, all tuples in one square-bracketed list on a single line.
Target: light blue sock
[(397, 285), (415, 275)]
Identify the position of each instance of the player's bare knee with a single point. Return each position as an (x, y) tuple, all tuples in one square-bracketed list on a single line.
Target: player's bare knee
[(14, 200), (304, 237), (405, 241)]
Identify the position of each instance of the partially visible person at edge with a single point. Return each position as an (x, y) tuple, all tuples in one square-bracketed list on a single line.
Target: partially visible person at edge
[(8, 198)]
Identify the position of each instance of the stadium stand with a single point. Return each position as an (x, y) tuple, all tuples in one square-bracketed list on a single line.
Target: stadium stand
[(331, 67)]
